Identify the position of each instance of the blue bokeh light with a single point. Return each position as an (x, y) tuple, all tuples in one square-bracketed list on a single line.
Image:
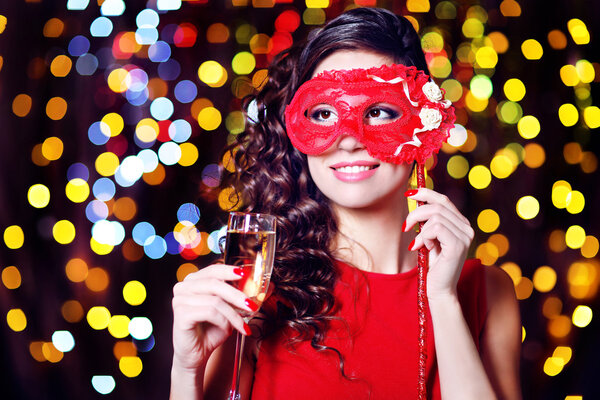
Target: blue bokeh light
[(78, 46), (147, 18), (101, 27), (180, 130), (188, 212), (86, 64), (161, 108), (96, 135), (104, 189), (169, 153), (173, 246), (159, 51), (142, 232), (156, 247), (169, 70), (96, 210), (77, 4), (186, 91), (149, 158)]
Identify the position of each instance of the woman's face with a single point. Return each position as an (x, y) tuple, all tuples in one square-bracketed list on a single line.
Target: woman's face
[(345, 172)]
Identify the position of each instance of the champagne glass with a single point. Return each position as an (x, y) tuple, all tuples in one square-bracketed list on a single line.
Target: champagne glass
[(250, 245)]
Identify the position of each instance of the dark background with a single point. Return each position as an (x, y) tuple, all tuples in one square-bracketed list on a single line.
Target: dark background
[(41, 260)]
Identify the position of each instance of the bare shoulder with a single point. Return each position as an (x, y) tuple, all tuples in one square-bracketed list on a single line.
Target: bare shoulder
[(499, 286)]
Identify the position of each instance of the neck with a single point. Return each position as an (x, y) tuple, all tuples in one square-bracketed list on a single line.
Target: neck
[(372, 238)]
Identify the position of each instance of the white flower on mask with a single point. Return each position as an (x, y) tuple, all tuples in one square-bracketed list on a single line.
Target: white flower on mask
[(430, 118), (432, 91)]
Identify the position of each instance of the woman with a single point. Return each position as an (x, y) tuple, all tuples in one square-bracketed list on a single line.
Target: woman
[(341, 321)]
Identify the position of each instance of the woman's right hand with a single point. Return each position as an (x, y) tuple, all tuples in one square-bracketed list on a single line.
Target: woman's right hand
[(204, 314)]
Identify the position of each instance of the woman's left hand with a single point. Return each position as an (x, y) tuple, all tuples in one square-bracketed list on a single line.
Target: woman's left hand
[(447, 234)]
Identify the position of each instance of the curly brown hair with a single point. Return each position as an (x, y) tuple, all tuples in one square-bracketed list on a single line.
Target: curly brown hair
[(271, 176)]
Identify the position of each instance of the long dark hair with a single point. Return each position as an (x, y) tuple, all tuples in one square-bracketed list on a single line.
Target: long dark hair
[(271, 176)]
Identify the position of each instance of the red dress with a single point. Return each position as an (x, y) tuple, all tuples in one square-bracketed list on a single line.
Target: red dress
[(377, 335)]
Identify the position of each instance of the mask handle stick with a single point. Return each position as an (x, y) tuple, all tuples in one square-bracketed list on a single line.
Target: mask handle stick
[(422, 266)]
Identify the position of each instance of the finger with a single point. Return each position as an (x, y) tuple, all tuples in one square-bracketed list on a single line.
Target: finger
[(441, 230), (191, 310), (429, 211), (217, 288), (218, 271), (432, 197)]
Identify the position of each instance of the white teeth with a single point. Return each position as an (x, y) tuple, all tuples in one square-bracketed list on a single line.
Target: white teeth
[(353, 169)]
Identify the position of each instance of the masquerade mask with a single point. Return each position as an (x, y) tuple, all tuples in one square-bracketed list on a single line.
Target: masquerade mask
[(394, 110)]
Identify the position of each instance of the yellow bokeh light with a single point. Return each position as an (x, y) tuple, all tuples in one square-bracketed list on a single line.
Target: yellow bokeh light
[(502, 166), (98, 317), (457, 167), (3, 21), (243, 63), (488, 220), (76, 270), (134, 293), (440, 67), (509, 112), (480, 177), (513, 270), (432, 42), (212, 73), (501, 243), (11, 277), (583, 279), (112, 124), (51, 353), (486, 57), (499, 41), (97, 279), (563, 352), (228, 199), (52, 148), (510, 8), (209, 118), (63, 231), (528, 207), (585, 71), (575, 236), (544, 279), (474, 103), (553, 366), (487, 253), (189, 154), (100, 248), (21, 104), (16, 319), (61, 66), (535, 155), (575, 202), (118, 80), (568, 114), (38, 195), (14, 237), (568, 75), (514, 89), (528, 127), (532, 49), (591, 117), (77, 190), (578, 31), (557, 39), (107, 163), (524, 288), (453, 88), (473, 28), (53, 28), (414, 6), (590, 247), (184, 270), (560, 191), (582, 316), (56, 108), (130, 366), (147, 130), (118, 326), (316, 16), (574, 397), (552, 307)]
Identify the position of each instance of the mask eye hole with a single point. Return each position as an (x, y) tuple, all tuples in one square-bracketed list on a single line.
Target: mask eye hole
[(322, 114), (382, 113)]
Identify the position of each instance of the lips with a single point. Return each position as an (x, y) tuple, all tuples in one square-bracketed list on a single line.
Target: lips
[(354, 171)]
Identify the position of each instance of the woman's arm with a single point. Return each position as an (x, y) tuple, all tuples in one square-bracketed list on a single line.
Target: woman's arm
[(464, 373)]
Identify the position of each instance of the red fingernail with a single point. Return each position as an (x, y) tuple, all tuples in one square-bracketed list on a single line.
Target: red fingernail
[(247, 329), (410, 192), (251, 305), (403, 226), (239, 271), (411, 245)]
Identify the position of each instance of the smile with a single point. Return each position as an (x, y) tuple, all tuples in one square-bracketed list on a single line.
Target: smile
[(355, 168), (354, 171)]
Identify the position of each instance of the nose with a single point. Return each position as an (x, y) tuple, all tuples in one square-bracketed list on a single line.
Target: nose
[(350, 134)]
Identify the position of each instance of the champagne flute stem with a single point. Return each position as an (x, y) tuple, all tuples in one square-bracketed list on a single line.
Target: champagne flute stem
[(234, 393)]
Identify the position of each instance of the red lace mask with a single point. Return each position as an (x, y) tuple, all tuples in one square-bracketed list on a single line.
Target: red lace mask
[(394, 110)]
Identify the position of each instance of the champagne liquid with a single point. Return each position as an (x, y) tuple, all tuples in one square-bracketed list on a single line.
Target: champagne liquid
[(254, 253)]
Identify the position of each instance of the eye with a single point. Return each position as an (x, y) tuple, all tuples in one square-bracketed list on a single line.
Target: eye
[(322, 114), (381, 114)]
